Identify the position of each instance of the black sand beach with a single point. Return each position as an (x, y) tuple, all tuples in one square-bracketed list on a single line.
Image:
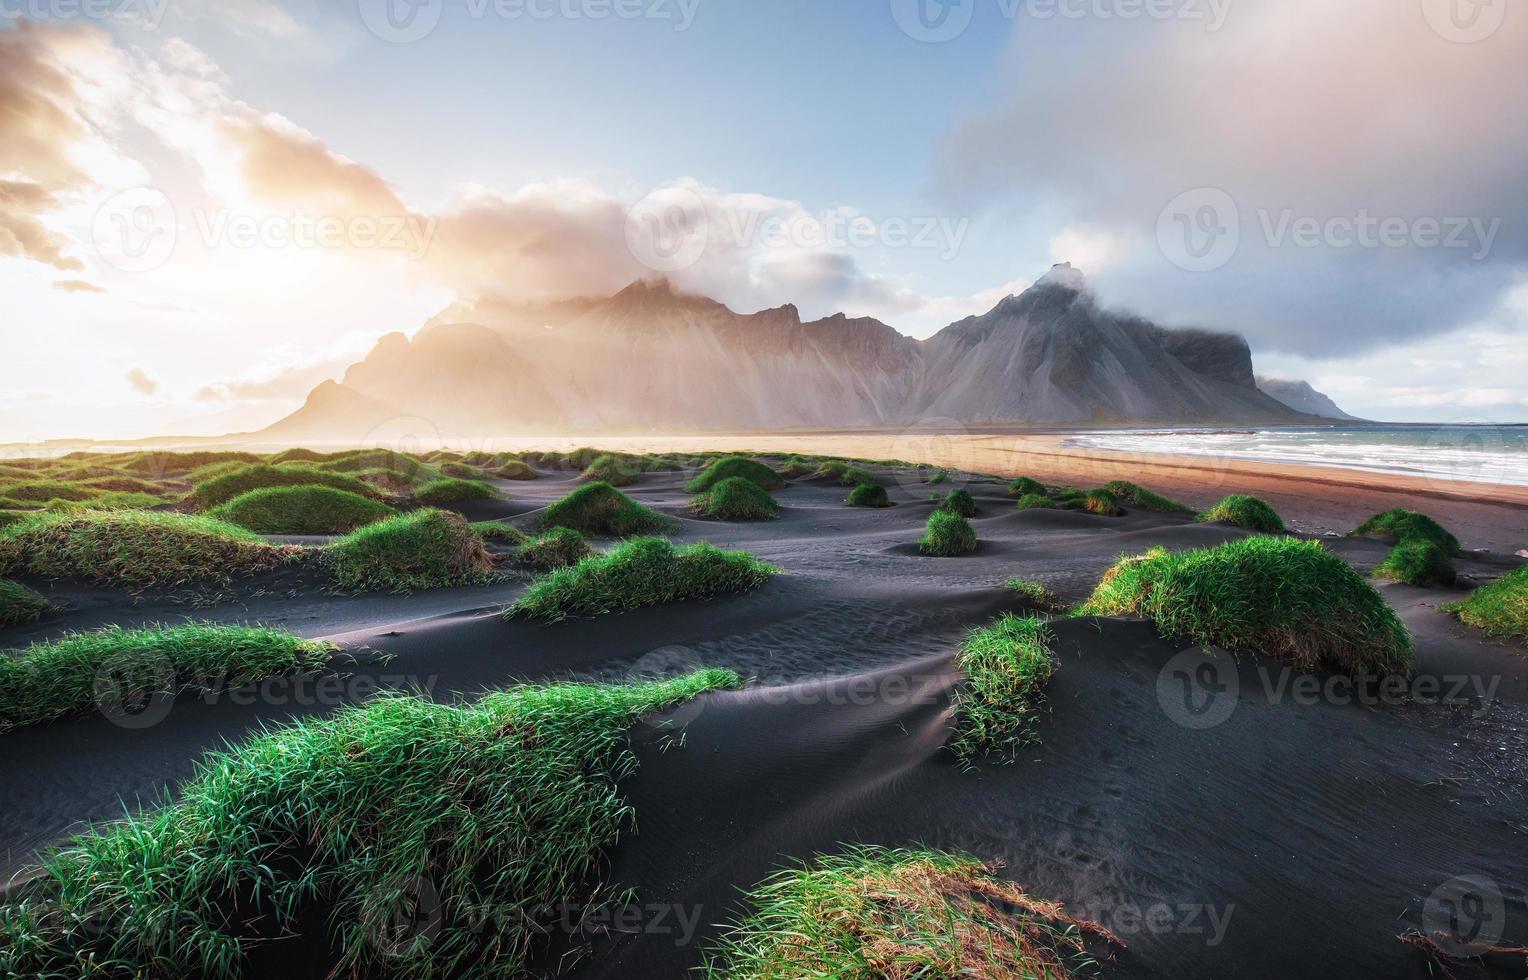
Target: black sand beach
[(1301, 834)]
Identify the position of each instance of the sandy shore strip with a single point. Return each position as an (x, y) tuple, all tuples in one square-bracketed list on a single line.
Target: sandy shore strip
[(1314, 499)]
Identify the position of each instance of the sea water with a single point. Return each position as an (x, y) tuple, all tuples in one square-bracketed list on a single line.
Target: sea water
[(1475, 453)]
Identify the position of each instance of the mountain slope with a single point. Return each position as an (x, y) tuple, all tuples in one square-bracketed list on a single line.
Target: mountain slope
[(653, 358), (1301, 397)]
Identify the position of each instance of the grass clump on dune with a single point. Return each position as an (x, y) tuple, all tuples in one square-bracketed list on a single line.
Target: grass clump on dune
[(1025, 486), (958, 502), (947, 535), (1035, 501), (1501, 609), (136, 550), (1418, 562), (221, 489), (42, 491), (736, 466), (301, 510), (868, 495), (845, 474), (737, 499), (495, 532), (875, 914), (1403, 525), (515, 469), (448, 490), (795, 467), (1130, 493), (400, 464), (640, 572), (1244, 511), (426, 549), (600, 510), (557, 548), (507, 804), (1035, 592), (1006, 666), (64, 677), (20, 606), (299, 455), (1101, 502), (461, 471), (1283, 597), (611, 469)]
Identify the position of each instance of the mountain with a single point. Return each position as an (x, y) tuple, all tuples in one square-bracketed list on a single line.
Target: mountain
[(651, 357), (1301, 397)]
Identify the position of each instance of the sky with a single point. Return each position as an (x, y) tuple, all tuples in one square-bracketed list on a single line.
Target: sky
[(209, 206)]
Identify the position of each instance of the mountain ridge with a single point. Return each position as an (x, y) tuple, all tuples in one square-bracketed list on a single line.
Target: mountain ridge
[(653, 357)]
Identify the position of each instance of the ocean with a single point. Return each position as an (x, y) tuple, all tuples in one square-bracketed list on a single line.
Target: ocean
[(1474, 453)]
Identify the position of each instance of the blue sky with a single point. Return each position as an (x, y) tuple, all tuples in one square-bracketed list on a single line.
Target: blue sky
[(1340, 183)]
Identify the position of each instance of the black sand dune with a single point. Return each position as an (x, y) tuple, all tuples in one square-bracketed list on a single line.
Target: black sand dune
[(1293, 838)]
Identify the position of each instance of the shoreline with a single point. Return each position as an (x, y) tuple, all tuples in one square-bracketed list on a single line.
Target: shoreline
[(1315, 499)]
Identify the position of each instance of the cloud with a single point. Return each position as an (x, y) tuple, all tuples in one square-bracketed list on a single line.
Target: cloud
[(141, 382), (77, 286), (22, 232), (285, 165), (1298, 108), (285, 384)]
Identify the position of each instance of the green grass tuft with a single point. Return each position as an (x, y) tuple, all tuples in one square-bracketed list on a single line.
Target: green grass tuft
[(736, 466), (947, 535), (640, 572), (447, 491), (1419, 562), (1025, 486), (937, 476), (736, 498), (1035, 592), (600, 510), (400, 465), (1006, 665), (495, 532), (1244, 511), (611, 469), (301, 510), (1403, 525), (868, 495), (20, 606), (1139, 496), (75, 674), (136, 550), (557, 548), (875, 914), (1035, 501), (1101, 502), (426, 549), (461, 471), (515, 469), (958, 502), (503, 806), (1283, 597), (221, 489), (1501, 608), (845, 474)]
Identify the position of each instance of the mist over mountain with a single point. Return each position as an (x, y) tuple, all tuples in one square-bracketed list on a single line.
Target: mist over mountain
[(1300, 396), (652, 357)]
